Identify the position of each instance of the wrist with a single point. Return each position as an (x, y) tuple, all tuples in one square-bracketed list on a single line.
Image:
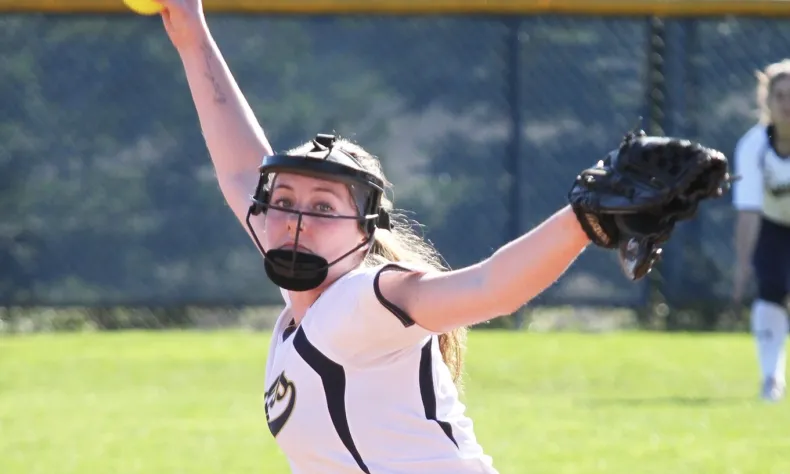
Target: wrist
[(596, 229), (743, 261), (194, 43)]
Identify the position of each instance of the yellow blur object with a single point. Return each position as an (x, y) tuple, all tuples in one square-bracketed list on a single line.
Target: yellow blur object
[(144, 7)]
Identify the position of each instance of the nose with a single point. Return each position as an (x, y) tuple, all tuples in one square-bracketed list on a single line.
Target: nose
[(295, 222)]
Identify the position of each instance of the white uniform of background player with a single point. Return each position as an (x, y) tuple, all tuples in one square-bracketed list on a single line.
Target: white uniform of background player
[(764, 188), (367, 388)]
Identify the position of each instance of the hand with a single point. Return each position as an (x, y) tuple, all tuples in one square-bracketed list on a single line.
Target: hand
[(185, 22), (643, 208)]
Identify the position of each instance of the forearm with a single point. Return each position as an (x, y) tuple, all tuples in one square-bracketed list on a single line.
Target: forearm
[(499, 285), (746, 230), (525, 267), (234, 138)]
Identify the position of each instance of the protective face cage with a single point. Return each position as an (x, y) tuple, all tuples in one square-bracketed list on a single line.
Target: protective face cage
[(290, 268)]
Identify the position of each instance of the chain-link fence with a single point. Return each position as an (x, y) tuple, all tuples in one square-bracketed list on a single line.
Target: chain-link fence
[(109, 199)]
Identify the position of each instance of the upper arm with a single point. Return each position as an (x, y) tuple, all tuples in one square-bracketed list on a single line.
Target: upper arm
[(747, 191), (236, 189), (443, 301)]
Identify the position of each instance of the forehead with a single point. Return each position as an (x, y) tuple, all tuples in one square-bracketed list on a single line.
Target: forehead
[(782, 84), (304, 183)]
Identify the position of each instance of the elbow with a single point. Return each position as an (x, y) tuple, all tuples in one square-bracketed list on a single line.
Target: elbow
[(506, 297), (479, 297), (502, 298), (507, 309), (513, 301)]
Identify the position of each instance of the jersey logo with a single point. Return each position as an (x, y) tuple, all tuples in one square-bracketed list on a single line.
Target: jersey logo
[(776, 174), (279, 402), (780, 190)]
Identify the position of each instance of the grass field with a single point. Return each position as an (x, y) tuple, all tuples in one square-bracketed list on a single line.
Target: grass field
[(190, 402)]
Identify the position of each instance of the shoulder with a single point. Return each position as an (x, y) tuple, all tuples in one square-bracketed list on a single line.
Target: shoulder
[(365, 281), (363, 288), (357, 284), (354, 317), (749, 150), (755, 139), (747, 191)]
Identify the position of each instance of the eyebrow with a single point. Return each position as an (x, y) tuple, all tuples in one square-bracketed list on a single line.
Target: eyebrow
[(319, 189)]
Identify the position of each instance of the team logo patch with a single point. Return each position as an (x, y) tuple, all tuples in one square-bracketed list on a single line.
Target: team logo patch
[(279, 402)]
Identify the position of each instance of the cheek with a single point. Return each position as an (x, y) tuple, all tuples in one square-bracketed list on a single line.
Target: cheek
[(777, 103), (272, 227), (339, 236), (333, 229), (775, 107)]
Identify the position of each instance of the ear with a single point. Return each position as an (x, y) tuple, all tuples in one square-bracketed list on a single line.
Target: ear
[(362, 238)]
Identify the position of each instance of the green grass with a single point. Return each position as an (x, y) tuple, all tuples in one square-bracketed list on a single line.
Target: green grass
[(169, 403)]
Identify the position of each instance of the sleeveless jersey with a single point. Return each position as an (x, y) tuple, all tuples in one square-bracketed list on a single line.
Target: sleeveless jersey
[(764, 183), (360, 388)]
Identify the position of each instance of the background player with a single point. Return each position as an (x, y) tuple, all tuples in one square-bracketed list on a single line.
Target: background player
[(762, 233)]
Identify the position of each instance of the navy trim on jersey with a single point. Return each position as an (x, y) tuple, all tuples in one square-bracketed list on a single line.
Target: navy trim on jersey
[(289, 330), (402, 315), (333, 377), (770, 130), (428, 390)]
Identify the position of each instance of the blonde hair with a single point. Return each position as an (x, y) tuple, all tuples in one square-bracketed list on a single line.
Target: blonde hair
[(402, 244), (766, 80)]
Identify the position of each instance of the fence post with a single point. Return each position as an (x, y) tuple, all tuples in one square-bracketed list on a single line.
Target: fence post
[(656, 79), (514, 149), (655, 124), (513, 155), (683, 284)]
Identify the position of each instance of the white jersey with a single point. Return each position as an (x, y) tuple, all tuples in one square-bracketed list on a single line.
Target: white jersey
[(764, 183), (360, 388)]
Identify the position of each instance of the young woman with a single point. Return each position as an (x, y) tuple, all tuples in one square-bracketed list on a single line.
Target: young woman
[(366, 359), (762, 232)]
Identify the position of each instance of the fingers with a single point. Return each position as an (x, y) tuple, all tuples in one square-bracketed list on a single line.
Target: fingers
[(192, 5), (172, 4), (168, 4)]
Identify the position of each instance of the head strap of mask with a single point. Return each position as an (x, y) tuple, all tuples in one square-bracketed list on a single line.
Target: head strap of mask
[(289, 268)]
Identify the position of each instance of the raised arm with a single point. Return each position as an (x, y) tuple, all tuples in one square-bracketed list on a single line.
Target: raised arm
[(499, 285), (234, 138)]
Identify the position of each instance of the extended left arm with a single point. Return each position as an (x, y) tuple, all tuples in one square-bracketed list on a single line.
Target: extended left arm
[(499, 285)]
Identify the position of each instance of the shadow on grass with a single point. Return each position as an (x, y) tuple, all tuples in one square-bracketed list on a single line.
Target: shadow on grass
[(668, 401)]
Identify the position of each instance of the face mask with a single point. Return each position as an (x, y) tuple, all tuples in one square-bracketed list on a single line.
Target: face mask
[(291, 269)]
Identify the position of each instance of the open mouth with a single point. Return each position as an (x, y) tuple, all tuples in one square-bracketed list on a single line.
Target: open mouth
[(298, 248)]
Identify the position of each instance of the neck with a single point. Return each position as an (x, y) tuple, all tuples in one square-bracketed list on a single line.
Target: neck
[(301, 302), (782, 139), (782, 132)]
